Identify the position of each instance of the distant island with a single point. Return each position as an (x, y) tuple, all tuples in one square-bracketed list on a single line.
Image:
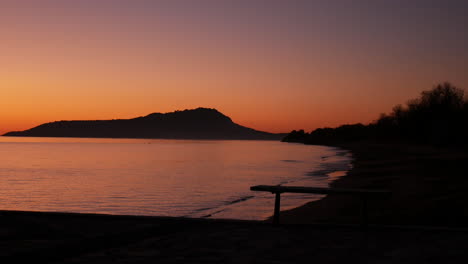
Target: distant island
[(200, 123)]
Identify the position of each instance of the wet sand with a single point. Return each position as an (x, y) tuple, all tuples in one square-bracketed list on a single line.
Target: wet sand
[(427, 185)]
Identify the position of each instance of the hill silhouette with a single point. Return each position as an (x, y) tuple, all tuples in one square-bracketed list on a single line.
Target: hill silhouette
[(200, 123)]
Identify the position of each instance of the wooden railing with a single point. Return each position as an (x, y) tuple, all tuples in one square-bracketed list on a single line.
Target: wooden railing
[(364, 194)]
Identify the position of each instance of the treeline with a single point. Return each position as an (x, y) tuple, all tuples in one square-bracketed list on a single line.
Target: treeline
[(438, 117)]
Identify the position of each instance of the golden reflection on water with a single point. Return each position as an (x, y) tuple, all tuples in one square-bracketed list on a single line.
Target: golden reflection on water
[(193, 178)]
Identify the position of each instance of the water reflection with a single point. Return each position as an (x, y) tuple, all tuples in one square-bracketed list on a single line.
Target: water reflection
[(157, 177)]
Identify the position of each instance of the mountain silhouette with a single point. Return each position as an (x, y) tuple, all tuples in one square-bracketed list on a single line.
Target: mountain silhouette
[(200, 123)]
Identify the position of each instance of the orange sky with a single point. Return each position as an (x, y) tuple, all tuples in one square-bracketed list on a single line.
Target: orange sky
[(273, 67)]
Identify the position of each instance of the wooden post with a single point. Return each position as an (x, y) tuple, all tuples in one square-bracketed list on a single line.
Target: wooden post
[(363, 194), (277, 209)]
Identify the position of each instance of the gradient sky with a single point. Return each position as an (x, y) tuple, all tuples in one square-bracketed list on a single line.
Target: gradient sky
[(270, 65)]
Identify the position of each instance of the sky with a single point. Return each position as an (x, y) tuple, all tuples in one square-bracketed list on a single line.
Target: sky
[(270, 65)]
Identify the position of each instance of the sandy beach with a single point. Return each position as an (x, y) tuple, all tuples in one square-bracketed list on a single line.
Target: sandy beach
[(428, 186), (428, 190), (81, 238)]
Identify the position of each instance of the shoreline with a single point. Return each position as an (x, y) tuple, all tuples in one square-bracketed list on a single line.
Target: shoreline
[(48, 237), (323, 160), (427, 185)]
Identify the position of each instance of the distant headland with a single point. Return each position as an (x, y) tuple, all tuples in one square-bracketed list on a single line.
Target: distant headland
[(200, 123)]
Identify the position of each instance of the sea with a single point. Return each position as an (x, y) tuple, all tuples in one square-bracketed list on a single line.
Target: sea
[(155, 177)]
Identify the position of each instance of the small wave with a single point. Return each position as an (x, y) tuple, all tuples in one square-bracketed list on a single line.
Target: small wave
[(209, 210), (202, 209), (331, 165), (242, 199), (227, 203), (292, 161), (320, 173), (217, 212)]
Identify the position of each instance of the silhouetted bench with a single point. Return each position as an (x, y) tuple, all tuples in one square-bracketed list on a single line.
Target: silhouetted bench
[(364, 194)]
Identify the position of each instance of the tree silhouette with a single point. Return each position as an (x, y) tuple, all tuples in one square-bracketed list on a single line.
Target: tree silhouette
[(439, 116)]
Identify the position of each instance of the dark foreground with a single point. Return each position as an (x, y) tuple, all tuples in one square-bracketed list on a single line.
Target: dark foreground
[(76, 238)]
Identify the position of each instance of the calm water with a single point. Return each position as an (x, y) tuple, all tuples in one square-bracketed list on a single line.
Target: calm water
[(191, 178)]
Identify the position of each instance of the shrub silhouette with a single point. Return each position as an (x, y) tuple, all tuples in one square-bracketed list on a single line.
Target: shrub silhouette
[(438, 116), (296, 136)]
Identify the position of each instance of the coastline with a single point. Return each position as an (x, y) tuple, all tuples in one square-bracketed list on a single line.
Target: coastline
[(93, 238), (427, 185)]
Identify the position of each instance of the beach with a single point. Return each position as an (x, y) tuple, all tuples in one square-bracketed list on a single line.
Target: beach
[(423, 221), (82, 238), (428, 186)]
